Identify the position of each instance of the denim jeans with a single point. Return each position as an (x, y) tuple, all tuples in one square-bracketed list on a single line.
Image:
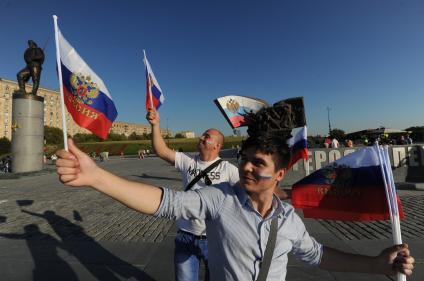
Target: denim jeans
[(187, 255)]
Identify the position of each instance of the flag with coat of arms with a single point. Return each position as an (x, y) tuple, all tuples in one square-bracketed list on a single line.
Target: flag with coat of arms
[(357, 187), (85, 95)]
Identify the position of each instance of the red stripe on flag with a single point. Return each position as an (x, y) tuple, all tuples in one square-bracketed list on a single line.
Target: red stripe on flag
[(343, 203), (299, 154), (155, 101), (86, 116)]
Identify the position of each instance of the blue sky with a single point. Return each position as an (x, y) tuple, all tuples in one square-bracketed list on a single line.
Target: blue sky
[(364, 59)]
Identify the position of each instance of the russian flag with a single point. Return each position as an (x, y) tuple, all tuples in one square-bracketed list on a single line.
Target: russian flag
[(235, 107), (153, 90), (351, 188), (85, 95), (299, 146)]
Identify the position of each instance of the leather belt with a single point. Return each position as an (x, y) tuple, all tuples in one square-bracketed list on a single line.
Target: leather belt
[(197, 237)]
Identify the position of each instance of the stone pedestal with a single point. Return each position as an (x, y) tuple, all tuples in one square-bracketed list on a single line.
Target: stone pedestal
[(27, 133)]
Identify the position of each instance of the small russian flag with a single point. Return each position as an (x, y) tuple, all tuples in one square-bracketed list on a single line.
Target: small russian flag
[(154, 96), (299, 146)]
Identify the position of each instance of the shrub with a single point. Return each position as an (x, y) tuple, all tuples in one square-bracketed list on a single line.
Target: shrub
[(5, 145)]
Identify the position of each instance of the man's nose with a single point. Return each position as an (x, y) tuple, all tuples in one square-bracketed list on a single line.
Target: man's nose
[(246, 166)]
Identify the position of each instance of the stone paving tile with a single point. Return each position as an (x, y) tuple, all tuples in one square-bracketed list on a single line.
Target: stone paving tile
[(80, 213)]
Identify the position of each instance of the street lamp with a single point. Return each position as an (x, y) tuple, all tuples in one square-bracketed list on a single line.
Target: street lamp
[(329, 124)]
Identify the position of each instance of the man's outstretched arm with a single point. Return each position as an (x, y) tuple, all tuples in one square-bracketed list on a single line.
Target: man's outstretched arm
[(75, 168), (390, 261), (158, 143)]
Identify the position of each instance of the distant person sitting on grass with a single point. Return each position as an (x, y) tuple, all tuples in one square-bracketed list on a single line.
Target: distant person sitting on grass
[(239, 217)]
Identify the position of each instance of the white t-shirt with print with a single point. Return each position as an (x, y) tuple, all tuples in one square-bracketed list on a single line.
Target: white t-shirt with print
[(190, 167)]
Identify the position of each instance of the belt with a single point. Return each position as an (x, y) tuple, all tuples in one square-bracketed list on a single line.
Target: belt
[(197, 237)]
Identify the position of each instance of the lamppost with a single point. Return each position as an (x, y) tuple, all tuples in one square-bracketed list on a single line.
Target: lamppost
[(329, 124)]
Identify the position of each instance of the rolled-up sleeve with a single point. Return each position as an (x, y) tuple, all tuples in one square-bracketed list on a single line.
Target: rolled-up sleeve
[(192, 204), (306, 248)]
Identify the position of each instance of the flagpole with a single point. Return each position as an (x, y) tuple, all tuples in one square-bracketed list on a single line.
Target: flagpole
[(397, 236), (148, 79), (59, 72), (385, 181), (306, 162), (391, 199)]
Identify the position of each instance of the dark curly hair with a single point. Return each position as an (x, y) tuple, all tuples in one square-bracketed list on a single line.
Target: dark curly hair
[(269, 129)]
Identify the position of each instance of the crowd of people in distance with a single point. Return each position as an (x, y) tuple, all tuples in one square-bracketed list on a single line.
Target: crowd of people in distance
[(333, 142)]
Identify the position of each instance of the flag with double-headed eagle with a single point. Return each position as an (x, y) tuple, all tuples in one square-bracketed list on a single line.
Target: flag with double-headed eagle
[(154, 94), (85, 95), (235, 107), (352, 188)]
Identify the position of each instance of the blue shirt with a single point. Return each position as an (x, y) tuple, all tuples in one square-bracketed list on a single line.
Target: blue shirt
[(237, 233)]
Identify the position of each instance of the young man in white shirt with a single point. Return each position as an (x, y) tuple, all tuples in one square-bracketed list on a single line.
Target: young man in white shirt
[(239, 216)]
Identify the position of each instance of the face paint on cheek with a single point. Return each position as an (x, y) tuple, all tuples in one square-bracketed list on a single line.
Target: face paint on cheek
[(209, 142), (264, 176)]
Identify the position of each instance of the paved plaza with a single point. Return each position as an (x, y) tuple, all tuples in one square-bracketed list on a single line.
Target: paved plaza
[(52, 232)]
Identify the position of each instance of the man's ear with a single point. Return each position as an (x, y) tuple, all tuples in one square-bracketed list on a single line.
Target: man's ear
[(280, 174), (218, 145)]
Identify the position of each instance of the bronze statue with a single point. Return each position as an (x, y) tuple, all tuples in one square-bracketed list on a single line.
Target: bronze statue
[(34, 57)]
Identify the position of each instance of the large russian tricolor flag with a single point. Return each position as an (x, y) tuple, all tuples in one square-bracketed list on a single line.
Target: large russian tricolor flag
[(299, 146), (85, 95), (351, 188), (154, 95)]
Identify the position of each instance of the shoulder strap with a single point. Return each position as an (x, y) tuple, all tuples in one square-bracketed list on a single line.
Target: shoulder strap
[(202, 174), (270, 246)]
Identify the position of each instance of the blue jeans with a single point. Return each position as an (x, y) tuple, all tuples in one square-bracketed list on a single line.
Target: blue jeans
[(187, 255)]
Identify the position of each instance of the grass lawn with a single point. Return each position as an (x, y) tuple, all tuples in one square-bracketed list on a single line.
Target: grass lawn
[(131, 147)]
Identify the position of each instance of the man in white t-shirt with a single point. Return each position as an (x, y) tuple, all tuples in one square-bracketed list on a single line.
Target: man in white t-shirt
[(191, 245), (335, 143)]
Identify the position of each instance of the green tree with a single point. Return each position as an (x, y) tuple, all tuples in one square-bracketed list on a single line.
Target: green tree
[(133, 136), (315, 141), (338, 134), (5, 145), (116, 137), (417, 133), (179, 136), (53, 135)]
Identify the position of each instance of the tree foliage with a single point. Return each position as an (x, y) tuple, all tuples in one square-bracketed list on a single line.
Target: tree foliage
[(5, 145), (53, 135), (116, 137), (86, 138), (338, 134)]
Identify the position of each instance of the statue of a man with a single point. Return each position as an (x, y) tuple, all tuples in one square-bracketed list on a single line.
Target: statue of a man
[(34, 57)]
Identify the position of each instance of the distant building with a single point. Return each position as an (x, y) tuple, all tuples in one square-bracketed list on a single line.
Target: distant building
[(127, 129), (52, 112), (188, 134), (53, 115)]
